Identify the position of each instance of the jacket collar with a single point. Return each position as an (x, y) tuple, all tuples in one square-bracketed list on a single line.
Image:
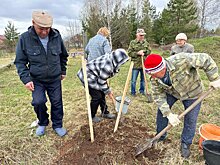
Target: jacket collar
[(170, 66), (53, 33)]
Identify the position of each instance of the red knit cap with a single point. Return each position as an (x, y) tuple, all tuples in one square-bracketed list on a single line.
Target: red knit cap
[(154, 63)]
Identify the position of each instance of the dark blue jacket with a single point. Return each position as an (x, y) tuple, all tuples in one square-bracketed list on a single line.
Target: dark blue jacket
[(32, 61)]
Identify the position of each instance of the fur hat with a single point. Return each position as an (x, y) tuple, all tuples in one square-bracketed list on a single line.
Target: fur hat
[(181, 36)]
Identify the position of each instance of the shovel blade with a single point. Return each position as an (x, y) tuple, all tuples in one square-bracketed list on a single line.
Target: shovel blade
[(144, 146)]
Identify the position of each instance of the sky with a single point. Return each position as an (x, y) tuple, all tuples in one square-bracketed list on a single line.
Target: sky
[(63, 11)]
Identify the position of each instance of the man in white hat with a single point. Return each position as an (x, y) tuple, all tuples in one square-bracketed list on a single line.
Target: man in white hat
[(41, 60), (176, 78), (181, 45)]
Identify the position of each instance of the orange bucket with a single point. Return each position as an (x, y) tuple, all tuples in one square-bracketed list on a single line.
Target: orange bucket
[(208, 132)]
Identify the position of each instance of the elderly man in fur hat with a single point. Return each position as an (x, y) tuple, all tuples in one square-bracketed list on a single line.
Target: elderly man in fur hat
[(181, 45), (176, 78)]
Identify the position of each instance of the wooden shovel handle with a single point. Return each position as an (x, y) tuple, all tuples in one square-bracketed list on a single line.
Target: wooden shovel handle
[(123, 96), (145, 78), (87, 99), (184, 113)]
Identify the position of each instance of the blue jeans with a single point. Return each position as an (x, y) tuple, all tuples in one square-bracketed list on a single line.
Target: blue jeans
[(135, 73), (54, 92), (190, 119)]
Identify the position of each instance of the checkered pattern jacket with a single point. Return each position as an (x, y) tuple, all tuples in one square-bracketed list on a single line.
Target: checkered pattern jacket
[(186, 82), (102, 68)]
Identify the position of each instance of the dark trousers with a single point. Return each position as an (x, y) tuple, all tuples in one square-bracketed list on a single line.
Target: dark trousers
[(190, 119), (54, 93), (98, 99)]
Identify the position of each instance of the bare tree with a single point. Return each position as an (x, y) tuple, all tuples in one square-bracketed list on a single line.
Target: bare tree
[(109, 11), (209, 13), (74, 34)]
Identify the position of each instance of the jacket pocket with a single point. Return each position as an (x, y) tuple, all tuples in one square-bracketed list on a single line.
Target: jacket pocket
[(55, 58), (34, 54), (55, 52)]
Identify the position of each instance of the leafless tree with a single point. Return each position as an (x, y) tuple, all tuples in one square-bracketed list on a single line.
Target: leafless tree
[(74, 32), (209, 13)]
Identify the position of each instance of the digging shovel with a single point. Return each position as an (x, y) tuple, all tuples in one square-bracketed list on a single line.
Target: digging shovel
[(149, 96), (150, 142), (87, 99), (123, 96)]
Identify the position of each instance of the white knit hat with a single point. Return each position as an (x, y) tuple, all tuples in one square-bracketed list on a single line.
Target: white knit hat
[(181, 36)]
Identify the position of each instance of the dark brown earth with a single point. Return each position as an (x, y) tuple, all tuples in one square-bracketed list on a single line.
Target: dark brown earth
[(108, 147)]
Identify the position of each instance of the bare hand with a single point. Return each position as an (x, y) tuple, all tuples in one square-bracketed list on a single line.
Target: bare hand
[(112, 97), (63, 77), (30, 86), (141, 53)]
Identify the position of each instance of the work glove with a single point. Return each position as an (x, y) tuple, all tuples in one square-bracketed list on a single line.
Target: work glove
[(215, 84), (173, 119)]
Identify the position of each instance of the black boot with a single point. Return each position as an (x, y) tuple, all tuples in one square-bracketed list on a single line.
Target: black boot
[(185, 150)]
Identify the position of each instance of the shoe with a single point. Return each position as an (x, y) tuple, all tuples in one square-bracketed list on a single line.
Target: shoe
[(109, 116), (96, 119), (40, 131), (185, 150), (60, 131), (134, 95), (142, 93)]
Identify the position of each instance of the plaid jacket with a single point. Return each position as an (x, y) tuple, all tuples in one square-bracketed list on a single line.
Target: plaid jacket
[(134, 47), (186, 83), (102, 68)]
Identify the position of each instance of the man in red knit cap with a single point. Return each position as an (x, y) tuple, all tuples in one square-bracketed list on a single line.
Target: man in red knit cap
[(176, 78)]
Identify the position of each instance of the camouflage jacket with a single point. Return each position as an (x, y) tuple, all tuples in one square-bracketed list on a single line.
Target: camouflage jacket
[(187, 48), (186, 82), (134, 47)]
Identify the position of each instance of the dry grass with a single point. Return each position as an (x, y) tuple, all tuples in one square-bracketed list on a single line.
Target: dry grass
[(19, 145)]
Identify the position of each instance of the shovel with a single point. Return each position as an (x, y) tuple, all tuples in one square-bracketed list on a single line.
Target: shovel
[(150, 142), (149, 96), (87, 99)]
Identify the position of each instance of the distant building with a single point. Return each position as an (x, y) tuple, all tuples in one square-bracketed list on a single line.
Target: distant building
[(2, 38)]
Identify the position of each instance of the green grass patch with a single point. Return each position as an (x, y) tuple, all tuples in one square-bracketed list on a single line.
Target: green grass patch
[(19, 145)]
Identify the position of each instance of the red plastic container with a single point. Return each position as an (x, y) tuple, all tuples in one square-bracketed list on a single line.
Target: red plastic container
[(208, 132)]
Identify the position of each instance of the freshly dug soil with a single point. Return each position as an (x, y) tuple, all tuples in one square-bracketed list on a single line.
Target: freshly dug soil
[(108, 147)]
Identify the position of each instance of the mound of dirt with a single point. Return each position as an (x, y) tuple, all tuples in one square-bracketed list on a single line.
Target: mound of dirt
[(108, 147)]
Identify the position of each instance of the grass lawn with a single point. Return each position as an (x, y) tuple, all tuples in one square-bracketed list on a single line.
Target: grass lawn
[(19, 145)]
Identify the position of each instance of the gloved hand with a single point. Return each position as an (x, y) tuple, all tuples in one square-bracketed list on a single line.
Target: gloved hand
[(215, 84), (173, 119)]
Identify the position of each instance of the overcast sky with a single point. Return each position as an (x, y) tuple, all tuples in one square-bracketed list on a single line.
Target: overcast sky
[(63, 11)]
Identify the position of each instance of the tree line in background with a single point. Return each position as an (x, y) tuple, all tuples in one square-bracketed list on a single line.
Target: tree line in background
[(188, 16), (123, 17)]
